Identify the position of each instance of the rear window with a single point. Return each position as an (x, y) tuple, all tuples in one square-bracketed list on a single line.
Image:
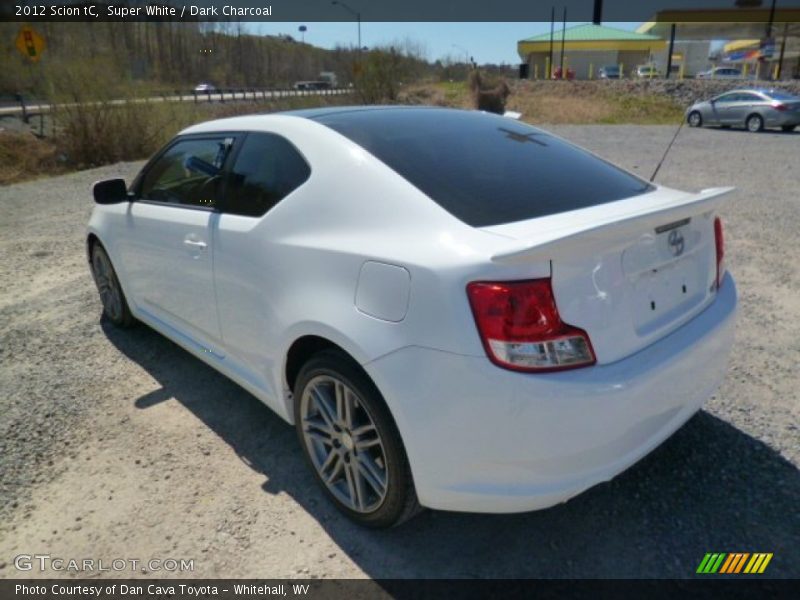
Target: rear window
[(782, 96), (485, 169)]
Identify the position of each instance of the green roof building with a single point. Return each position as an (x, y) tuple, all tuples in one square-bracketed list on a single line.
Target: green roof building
[(589, 47)]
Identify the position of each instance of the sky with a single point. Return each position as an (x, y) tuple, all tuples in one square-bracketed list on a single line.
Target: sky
[(485, 42)]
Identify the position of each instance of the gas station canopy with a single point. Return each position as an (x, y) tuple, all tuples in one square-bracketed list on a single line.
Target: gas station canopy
[(723, 24)]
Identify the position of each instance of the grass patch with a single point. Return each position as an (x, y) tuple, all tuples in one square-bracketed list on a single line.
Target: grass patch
[(24, 156), (591, 102), (562, 102)]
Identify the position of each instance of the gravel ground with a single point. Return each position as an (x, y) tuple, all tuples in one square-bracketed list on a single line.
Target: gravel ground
[(121, 445)]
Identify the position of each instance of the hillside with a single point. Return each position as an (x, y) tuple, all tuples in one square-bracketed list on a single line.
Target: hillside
[(144, 57)]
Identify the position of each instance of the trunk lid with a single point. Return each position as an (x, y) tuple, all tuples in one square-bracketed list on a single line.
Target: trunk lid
[(629, 272)]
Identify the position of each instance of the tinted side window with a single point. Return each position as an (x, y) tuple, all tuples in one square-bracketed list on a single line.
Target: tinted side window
[(267, 169), (187, 173), (746, 97)]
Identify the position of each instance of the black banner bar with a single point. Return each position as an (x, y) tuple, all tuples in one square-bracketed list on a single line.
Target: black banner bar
[(732, 588), (747, 11)]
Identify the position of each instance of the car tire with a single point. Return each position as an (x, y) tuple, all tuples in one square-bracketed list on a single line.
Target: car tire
[(788, 128), (754, 123), (695, 119), (115, 305), (351, 442)]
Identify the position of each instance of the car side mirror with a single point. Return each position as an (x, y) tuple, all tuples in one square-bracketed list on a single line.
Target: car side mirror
[(110, 191)]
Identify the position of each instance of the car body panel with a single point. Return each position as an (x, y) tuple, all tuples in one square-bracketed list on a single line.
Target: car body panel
[(520, 441), (157, 241), (613, 271)]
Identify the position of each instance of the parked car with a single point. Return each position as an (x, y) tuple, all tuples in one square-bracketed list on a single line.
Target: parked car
[(205, 88), (610, 72), (647, 72), (720, 73), (753, 109), (447, 324), (312, 85)]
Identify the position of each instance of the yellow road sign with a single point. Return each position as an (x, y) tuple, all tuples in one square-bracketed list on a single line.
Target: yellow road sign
[(30, 43)]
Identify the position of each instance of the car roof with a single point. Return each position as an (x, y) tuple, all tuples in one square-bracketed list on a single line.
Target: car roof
[(257, 121), (318, 113), (736, 90)]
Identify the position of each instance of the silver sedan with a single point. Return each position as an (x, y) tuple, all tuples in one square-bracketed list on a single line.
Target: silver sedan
[(753, 109)]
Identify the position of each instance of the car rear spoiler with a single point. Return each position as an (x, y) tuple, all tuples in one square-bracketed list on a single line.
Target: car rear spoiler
[(580, 236)]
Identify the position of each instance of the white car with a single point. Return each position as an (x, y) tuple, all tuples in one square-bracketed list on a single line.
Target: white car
[(205, 88), (456, 310), (647, 72)]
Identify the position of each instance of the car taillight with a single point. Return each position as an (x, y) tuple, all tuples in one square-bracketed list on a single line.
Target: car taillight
[(720, 245), (780, 107), (521, 329)]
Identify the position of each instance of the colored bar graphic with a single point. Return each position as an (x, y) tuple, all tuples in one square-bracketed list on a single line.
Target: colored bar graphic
[(718, 563), (736, 558), (765, 563), (734, 562), (740, 562), (727, 564), (703, 563), (711, 562), (754, 563)]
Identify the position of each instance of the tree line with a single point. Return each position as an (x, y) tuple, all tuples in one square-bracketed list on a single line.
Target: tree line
[(173, 55)]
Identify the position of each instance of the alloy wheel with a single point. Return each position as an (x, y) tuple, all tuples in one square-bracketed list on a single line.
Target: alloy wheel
[(755, 123), (344, 444), (107, 285)]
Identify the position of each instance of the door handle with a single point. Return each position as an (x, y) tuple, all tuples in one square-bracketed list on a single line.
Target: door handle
[(195, 244)]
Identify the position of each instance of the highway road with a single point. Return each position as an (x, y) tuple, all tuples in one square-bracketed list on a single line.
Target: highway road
[(37, 106)]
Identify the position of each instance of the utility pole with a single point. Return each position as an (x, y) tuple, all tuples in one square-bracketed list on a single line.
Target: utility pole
[(353, 12), (783, 51), (671, 48), (549, 73), (563, 36), (771, 19), (597, 15)]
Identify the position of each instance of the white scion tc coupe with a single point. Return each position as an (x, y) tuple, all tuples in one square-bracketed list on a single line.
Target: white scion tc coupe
[(456, 310)]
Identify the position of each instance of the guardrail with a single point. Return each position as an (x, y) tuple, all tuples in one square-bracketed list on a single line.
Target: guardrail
[(26, 107)]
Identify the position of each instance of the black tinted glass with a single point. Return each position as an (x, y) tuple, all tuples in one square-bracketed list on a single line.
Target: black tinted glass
[(485, 169), (267, 169), (188, 173)]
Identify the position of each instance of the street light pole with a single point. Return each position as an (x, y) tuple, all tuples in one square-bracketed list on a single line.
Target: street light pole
[(353, 12)]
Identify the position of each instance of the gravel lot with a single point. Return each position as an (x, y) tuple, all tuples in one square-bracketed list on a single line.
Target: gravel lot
[(119, 444)]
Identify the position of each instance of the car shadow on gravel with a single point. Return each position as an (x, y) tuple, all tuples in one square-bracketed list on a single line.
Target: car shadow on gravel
[(763, 132), (710, 488)]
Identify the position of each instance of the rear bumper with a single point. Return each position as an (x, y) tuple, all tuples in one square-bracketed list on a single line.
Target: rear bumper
[(483, 439), (780, 119)]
